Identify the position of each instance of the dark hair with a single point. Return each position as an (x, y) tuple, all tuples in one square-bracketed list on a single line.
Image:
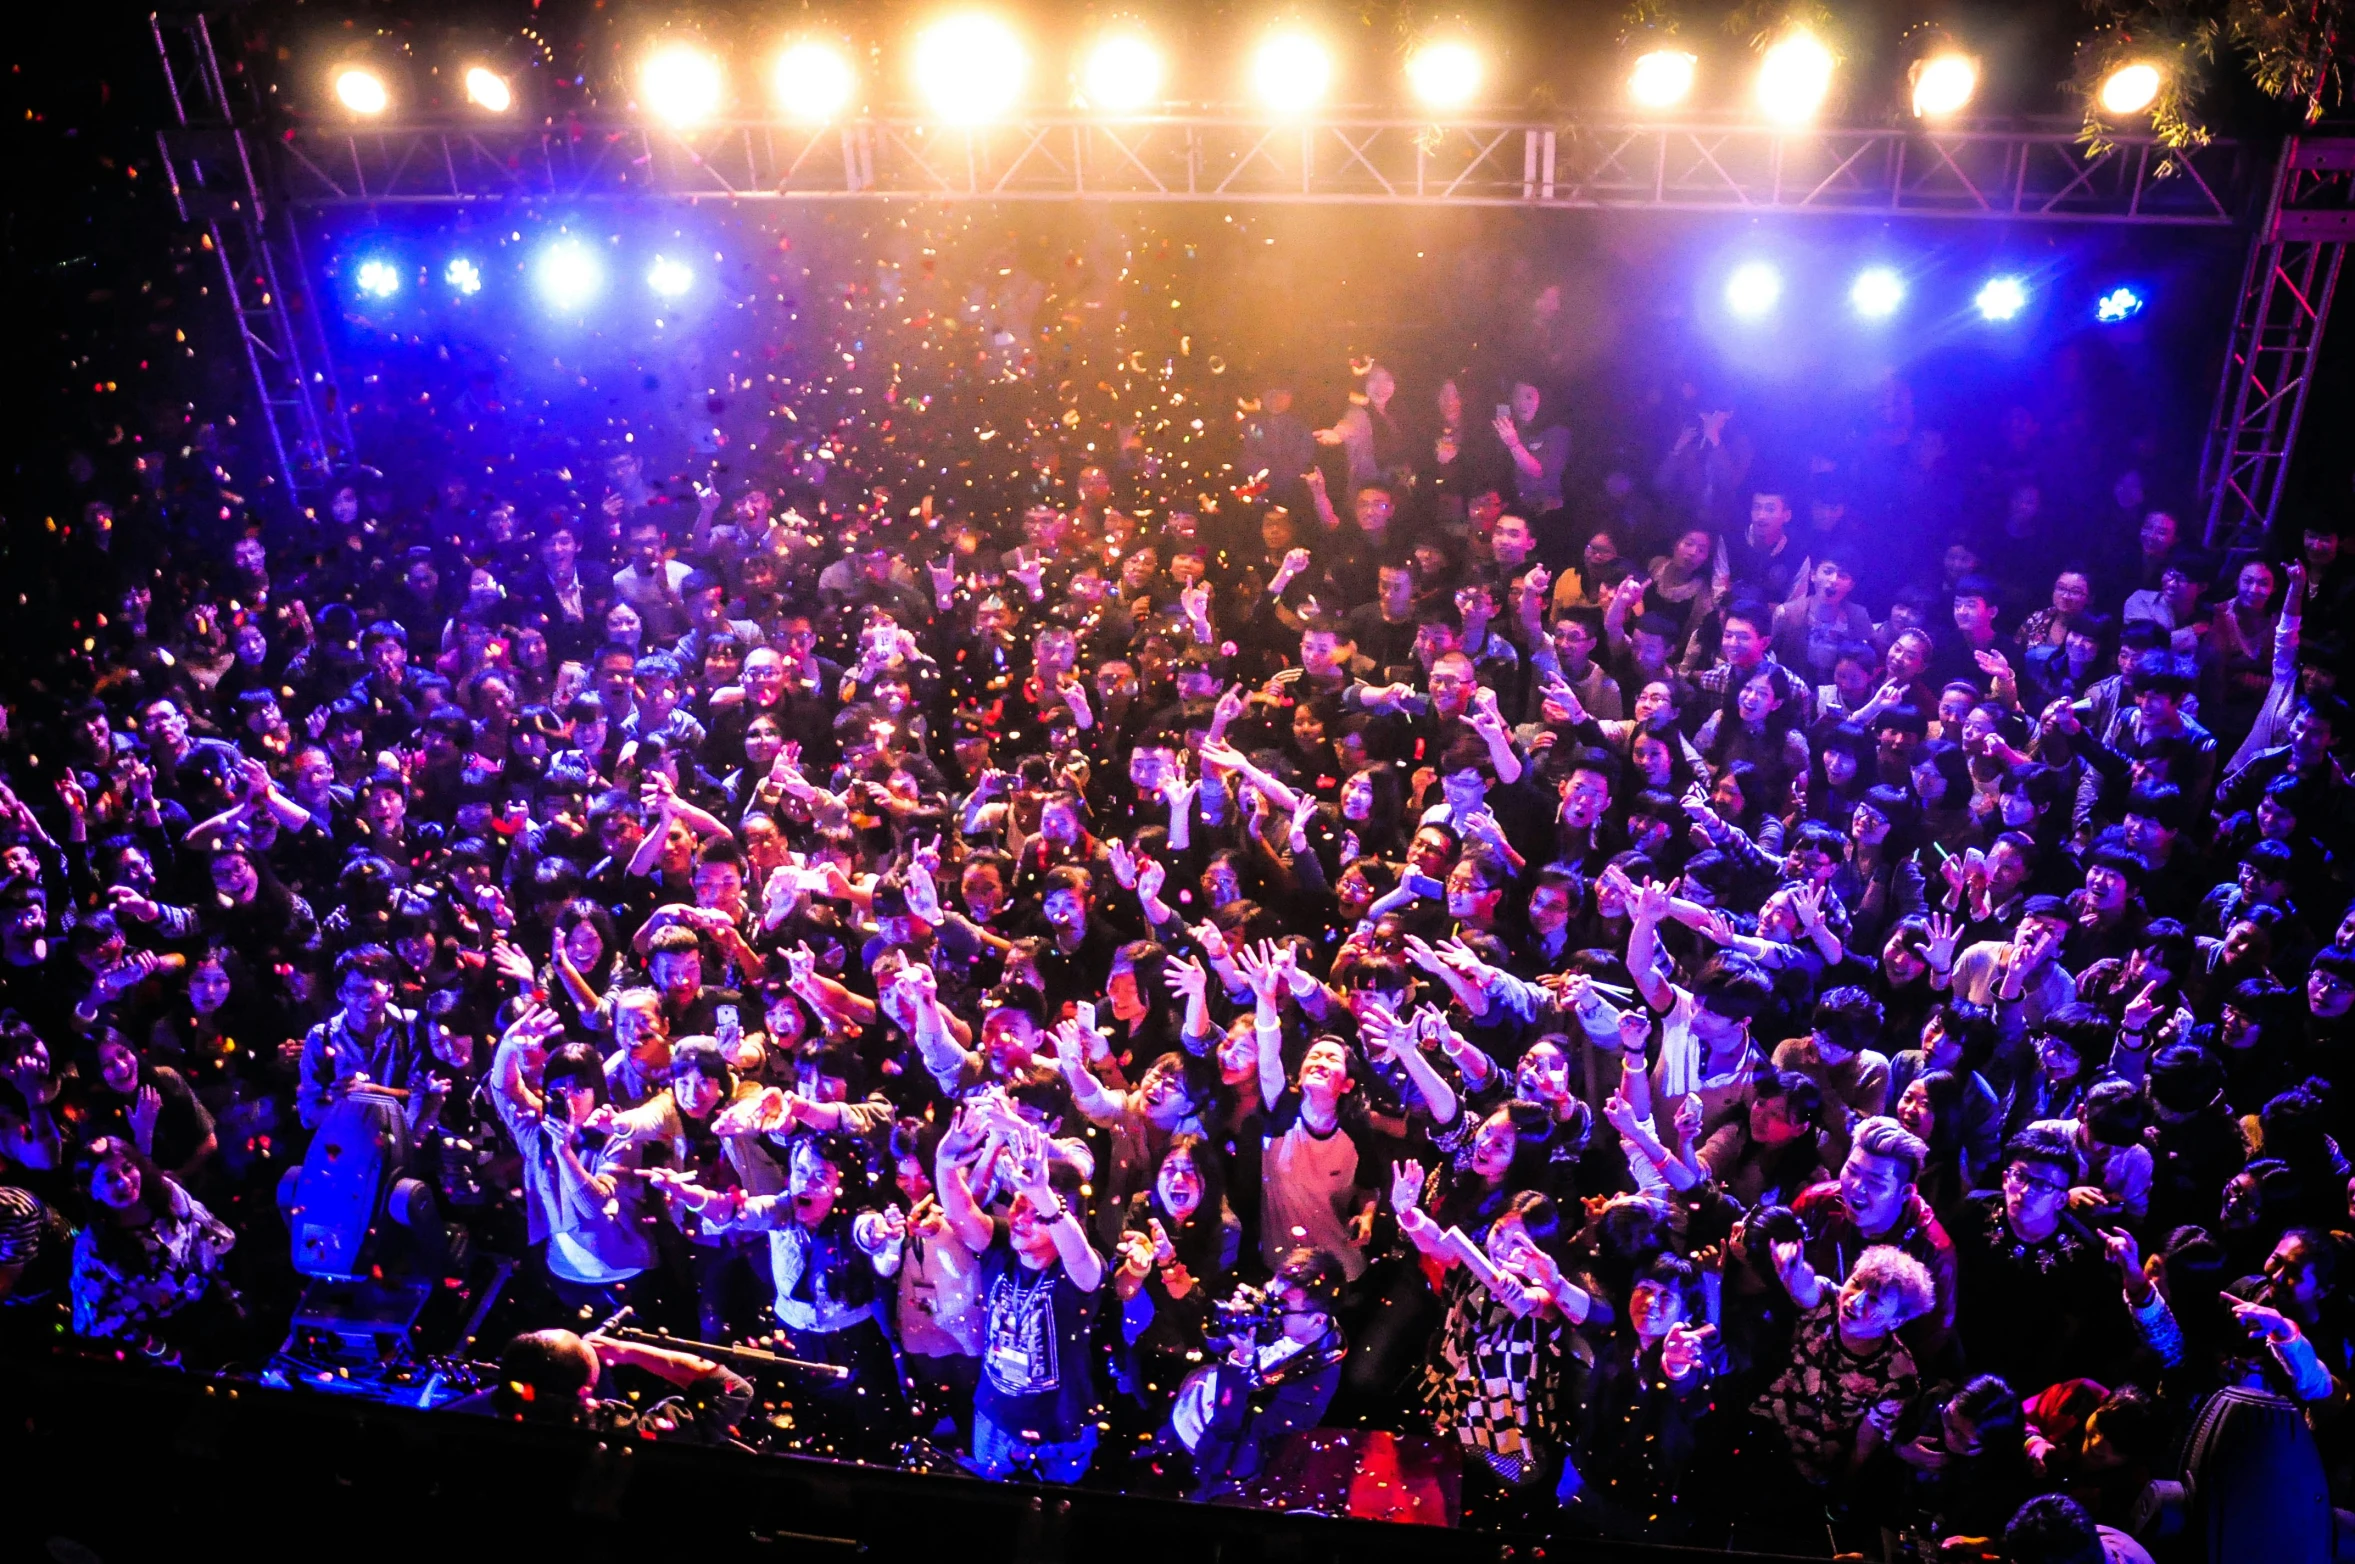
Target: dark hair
[(1849, 1018), (541, 1376), (2050, 1147), (1733, 987), (2053, 1529)]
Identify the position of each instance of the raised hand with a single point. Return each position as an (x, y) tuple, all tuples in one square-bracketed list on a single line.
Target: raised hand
[(2141, 1009), (1124, 866), (146, 1108), (1195, 601), (1686, 1349), (1945, 930), (1406, 1186), (1650, 903), (1186, 978), (1150, 878)]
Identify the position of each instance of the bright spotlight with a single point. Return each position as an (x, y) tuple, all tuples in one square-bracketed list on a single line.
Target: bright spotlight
[(1876, 293), (1943, 83), (1444, 75), (2118, 304), (681, 85), (487, 89), (463, 276), (813, 82), (970, 68), (361, 90), (1794, 77), (669, 278), (1123, 73), (2129, 89), (2002, 298), (1753, 289), (1662, 79), (378, 279), (569, 275), (1292, 73)]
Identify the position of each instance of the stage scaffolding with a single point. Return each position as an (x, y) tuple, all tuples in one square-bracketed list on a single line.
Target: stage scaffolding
[(2038, 175)]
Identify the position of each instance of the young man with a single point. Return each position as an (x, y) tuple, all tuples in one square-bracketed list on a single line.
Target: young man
[(1874, 1201), (1034, 1410), (367, 1039)]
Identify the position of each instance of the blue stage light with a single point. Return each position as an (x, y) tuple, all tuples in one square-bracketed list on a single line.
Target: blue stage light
[(379, 279), (569, 274), (1753, 289), (2118, 304), (668, 278), (2002, 298), (463, 276), (1876, 293)]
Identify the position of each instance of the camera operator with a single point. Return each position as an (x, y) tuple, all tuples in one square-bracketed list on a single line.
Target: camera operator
[(1282, 1361)]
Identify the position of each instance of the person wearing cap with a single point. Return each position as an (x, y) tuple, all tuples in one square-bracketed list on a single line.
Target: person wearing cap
[(36, 1265)]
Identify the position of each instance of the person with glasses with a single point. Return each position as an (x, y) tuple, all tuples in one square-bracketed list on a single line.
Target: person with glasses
[(2037, 1302)]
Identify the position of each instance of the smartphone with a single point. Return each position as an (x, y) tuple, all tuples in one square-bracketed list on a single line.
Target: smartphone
[(1504, 409), (730, 1026), (1085, 1013)]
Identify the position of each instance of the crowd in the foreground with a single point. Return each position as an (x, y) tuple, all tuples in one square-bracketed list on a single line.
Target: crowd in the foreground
[(1733, 1003)]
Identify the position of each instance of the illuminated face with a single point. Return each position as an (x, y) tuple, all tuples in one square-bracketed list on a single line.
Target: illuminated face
[(2071, 592), (1692, 551), (2158, 533), (1493, 1145), (1584, 798), (1868, 1312), (1512, 541), (1325, 1070), (814, 1184), (1179, 1184), (1543, 1074)]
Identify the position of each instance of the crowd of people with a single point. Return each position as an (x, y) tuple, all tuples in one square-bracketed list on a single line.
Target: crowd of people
[(1808, 1007)]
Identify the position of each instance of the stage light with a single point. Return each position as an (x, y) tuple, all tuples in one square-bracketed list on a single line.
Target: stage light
[(1794, 77), (379, 279), (463, 276), (680, 85), (1662, 79), (1753, 289), (813, 82), (2002, 298), (487, 89), (2129, 89), (2118, 304), (1944, 83), (569, 274), (1445, 75), (669, 278), (1123, 73), (970, 68), (1876, 293), (1292, 73), (361, 90)]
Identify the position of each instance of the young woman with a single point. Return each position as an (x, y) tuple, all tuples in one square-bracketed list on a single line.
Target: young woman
[(147, 1263)]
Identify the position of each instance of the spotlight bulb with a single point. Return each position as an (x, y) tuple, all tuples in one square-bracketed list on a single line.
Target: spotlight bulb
[(2117, 305), (1662, 79), (487, 89), (681, 86), (379, 279), (1753, 289), (362, 91), (1877, 292), (814, 82), (970, 68), (1292, 73), (1444, 75), (463, 276), (2129, 89), (1794, 77), (1123, 73), (2002, 298), (569, 274), (1943, 84), (669, 278)]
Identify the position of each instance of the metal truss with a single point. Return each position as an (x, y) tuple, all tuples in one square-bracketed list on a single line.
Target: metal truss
[(2285, 301), (2031, 175), (218, 173)]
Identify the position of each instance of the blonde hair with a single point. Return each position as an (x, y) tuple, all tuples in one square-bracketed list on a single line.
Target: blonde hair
[(1883, 1269)]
